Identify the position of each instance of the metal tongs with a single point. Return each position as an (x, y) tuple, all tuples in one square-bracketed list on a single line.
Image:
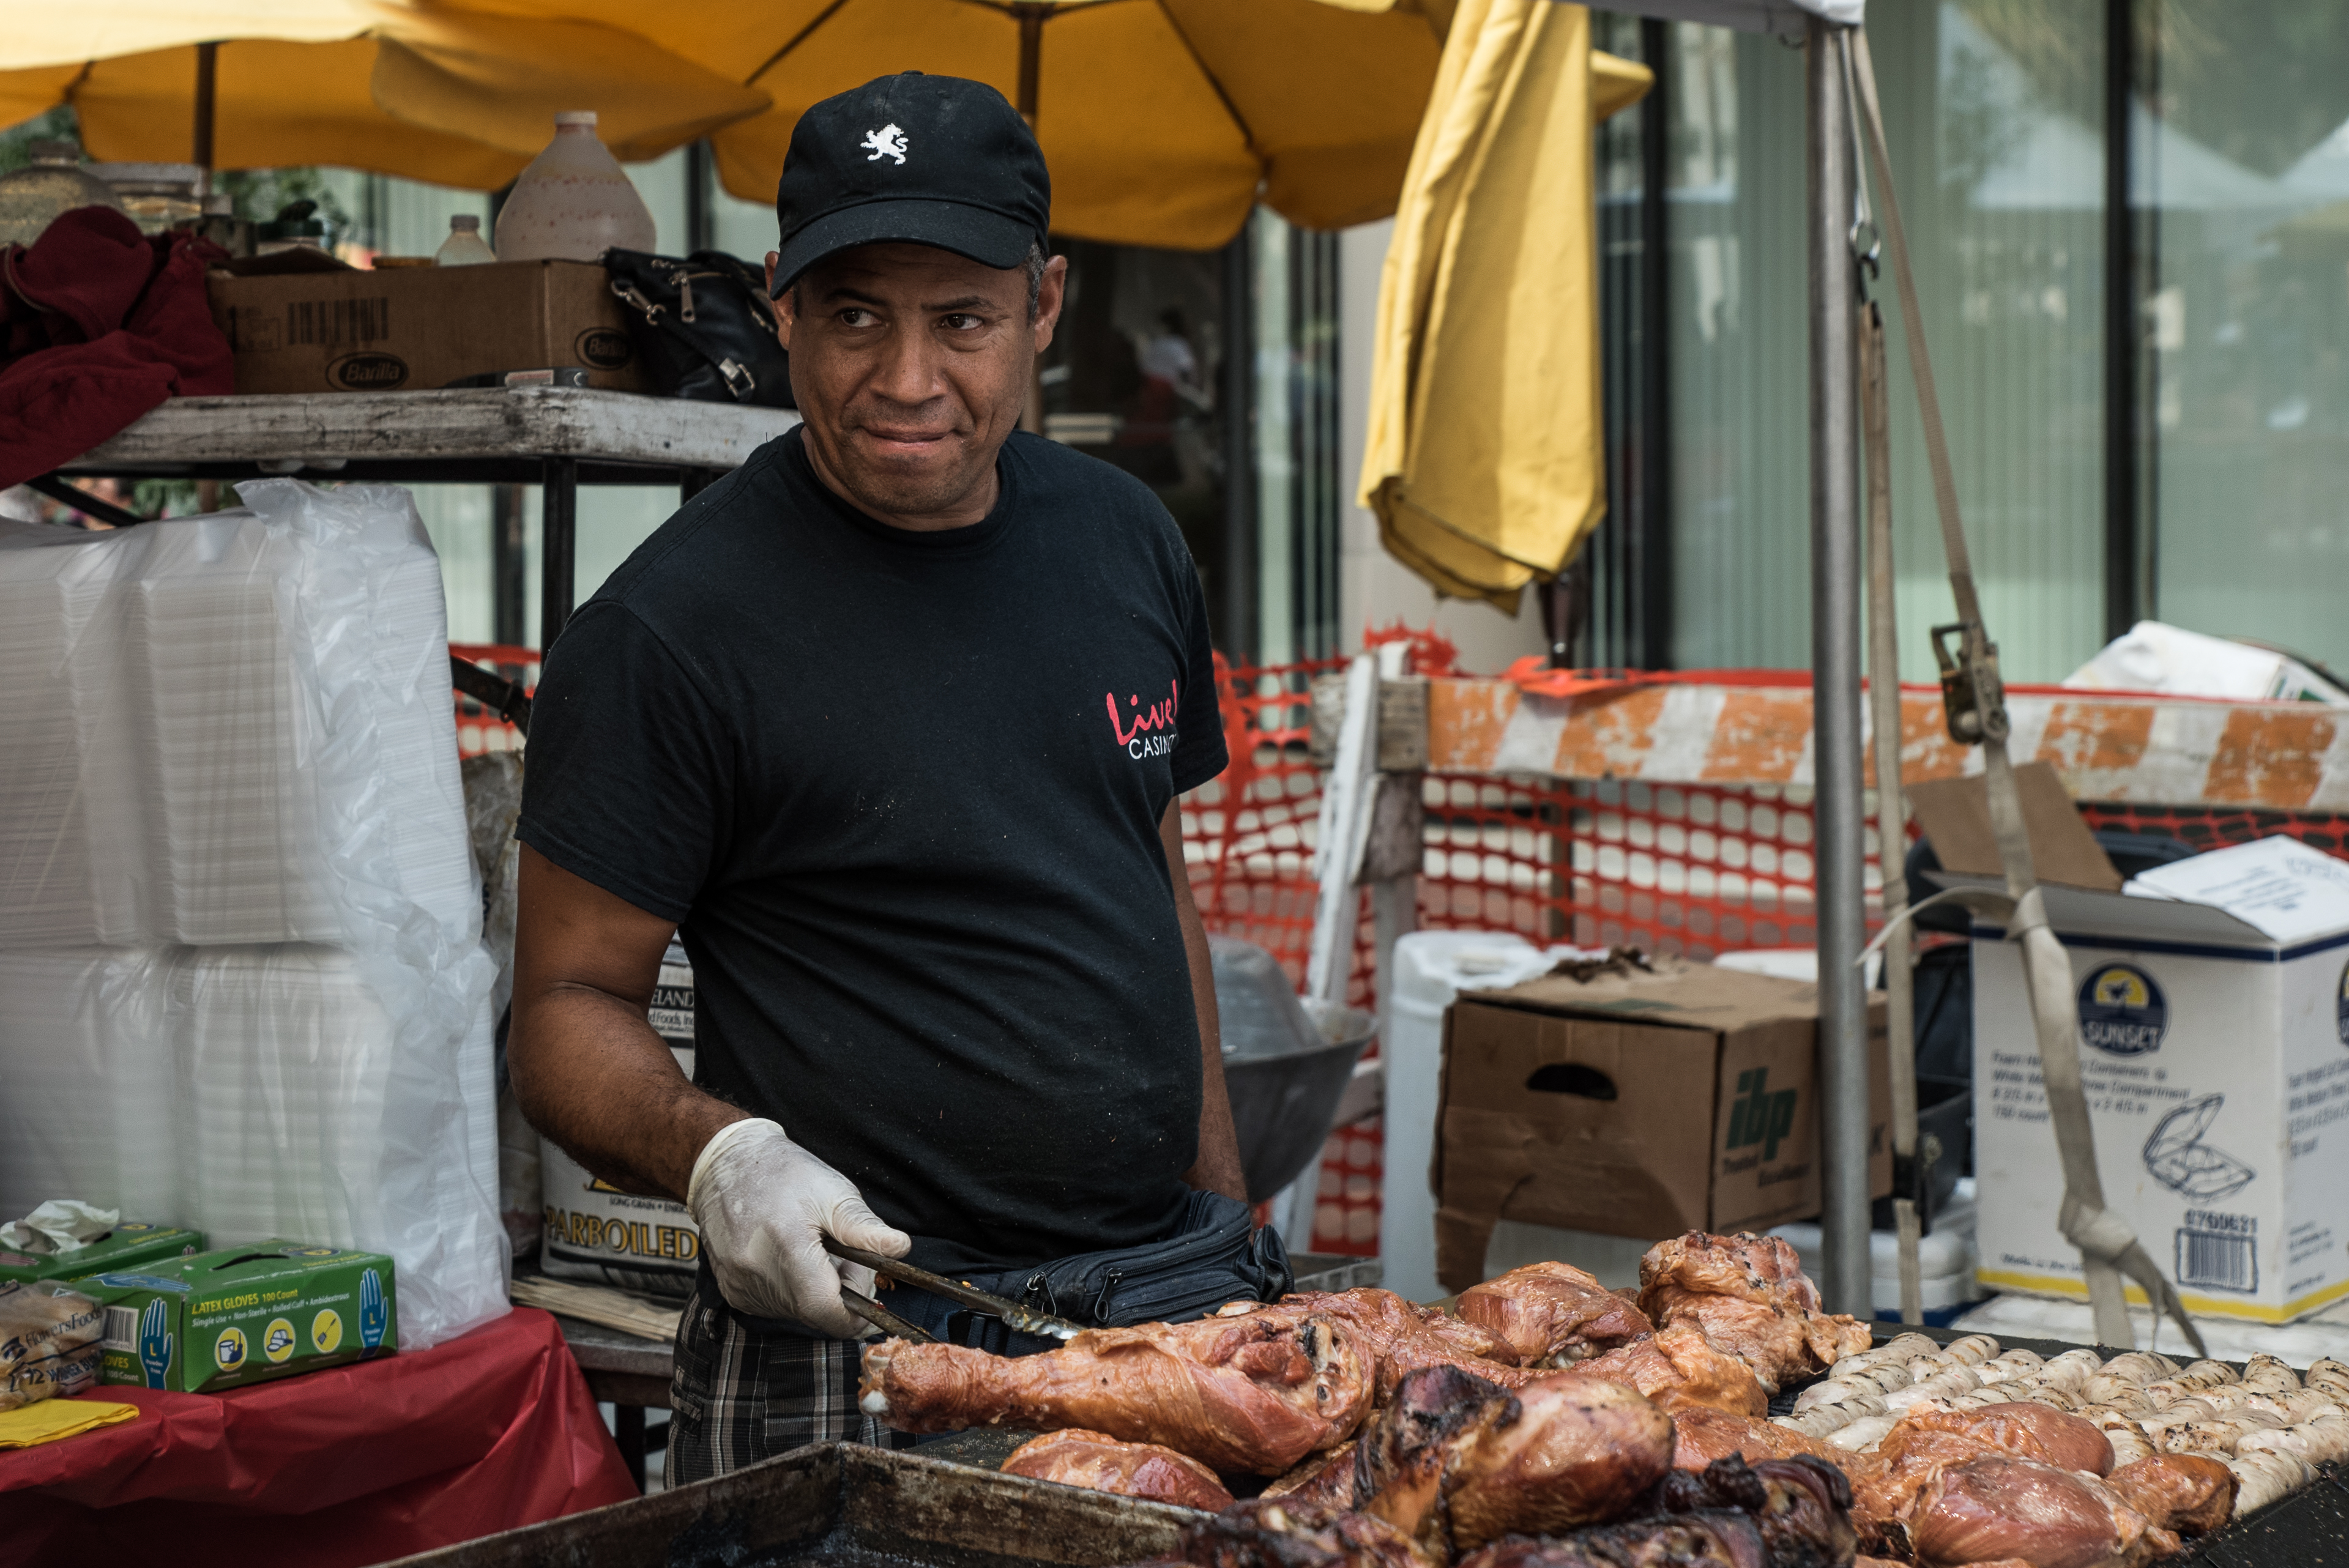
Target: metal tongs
[(1014, 1316)]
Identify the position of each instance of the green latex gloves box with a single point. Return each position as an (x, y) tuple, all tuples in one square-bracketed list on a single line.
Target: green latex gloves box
[(130, 1244), (244, 1315)]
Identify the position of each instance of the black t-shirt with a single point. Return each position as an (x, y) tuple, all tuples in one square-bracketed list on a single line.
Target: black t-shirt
[(902, 792)]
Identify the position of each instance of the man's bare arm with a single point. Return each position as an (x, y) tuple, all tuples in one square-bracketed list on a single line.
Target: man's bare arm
[(1218, 1170), (587, 1068)]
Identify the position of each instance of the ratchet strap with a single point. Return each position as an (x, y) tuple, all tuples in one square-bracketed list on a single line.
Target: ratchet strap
[(1975, 699)]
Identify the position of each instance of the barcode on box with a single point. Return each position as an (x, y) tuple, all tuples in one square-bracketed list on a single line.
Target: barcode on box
[(2221, 1262), (337, 321), (121, 1329)]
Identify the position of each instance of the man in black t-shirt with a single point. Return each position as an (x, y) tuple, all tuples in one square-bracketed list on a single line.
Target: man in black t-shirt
[(889, 725)]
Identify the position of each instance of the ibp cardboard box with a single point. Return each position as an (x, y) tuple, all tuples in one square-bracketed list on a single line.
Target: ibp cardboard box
[(130, 1244), (1635, 1104), (2215, 1051), (417, 328), (244, 1315)]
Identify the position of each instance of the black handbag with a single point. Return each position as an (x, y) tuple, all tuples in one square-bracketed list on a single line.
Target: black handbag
[(704, 326)]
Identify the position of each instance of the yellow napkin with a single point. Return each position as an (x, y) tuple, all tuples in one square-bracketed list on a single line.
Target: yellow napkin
[(53, 1418)]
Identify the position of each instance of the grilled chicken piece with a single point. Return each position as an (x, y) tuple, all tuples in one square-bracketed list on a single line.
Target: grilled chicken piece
[(2189, 1493), (2002, 1507), (1680, 1367), (1750, 1294), (1399, 1335), (2027, 1431), (1455, 1461), (1802, 1505), (1717, 1539), (1251, 1394), (1319, 1478), (1553, 1314), (1103, 1463), (1286, 1532), (1701, 1434)]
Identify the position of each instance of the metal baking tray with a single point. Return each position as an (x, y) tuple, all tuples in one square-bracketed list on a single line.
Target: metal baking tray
[(840, 1505)]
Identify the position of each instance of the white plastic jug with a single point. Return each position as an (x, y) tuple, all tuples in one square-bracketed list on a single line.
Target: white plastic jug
[(574, 202), (1431, 967)]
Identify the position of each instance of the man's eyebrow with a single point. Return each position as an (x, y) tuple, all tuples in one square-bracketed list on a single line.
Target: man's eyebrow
[(844, 293)]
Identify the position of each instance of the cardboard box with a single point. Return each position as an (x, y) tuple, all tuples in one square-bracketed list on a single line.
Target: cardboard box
[(244, 1315), (2215, 1048), (1955, 814), (131, 1244), (416, 328), (1635, 1104)]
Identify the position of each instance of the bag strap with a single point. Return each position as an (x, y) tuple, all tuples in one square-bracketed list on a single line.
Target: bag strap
[(1975, 700)]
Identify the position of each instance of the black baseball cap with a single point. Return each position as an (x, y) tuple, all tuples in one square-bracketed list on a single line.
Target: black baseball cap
[(937, 161)]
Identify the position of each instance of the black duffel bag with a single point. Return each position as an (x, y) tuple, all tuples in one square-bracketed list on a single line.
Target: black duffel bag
[(703, 326)]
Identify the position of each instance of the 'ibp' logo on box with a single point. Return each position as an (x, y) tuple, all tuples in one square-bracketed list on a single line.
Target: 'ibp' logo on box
[(1758, 1116), (2122, 1012)]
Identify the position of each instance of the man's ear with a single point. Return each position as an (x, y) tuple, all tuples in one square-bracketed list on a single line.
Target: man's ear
[(1051, 294), (786, 308)]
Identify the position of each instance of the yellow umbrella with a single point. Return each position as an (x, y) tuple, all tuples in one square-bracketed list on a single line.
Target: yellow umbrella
[(1163, 121), (453, 96), (1483, 460)]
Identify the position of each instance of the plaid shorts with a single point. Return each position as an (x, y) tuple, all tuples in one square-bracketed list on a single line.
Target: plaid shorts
[(743, 1394)]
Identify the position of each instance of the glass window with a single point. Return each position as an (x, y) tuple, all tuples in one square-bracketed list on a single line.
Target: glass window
[(1992, 111), (2241, 148)]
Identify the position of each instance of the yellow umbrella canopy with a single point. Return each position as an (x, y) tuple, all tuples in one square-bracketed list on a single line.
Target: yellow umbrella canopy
[(1484, 457), (1163, 121), (455, 97)]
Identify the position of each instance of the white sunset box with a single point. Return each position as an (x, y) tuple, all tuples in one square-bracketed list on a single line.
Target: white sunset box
[(2213, 1004)]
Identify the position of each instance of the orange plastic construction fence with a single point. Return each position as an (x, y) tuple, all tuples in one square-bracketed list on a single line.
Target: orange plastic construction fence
[(1696, 870)]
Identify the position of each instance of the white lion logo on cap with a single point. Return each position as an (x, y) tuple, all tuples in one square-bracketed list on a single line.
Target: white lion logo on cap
[(887, 142)]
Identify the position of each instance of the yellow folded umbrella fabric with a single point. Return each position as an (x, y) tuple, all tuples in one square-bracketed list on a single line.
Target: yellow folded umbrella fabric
[(46, 1422), (1483, 458)]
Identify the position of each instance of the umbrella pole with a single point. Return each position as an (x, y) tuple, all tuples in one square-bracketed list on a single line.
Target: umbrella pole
[(207, 75), (1846, 1284)]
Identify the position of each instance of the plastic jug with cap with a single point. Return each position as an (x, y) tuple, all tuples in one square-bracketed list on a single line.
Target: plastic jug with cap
[(574, 202)]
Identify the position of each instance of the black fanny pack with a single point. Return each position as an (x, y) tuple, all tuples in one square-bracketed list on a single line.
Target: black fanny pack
[(1218, 1256)]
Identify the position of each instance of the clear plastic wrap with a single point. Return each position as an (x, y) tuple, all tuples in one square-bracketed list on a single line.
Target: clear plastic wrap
[(241, 978)]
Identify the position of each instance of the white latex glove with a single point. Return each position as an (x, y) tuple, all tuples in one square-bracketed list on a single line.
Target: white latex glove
[(764, 1203)]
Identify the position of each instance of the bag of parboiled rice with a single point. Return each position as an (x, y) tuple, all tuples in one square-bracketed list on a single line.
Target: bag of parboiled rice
[(596, 1233), (49, 1341)]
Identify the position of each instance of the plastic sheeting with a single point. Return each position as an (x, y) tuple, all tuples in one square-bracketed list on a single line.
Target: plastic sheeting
[(242, 980)]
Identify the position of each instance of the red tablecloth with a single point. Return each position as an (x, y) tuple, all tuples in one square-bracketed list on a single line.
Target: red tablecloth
[(352, 1465)]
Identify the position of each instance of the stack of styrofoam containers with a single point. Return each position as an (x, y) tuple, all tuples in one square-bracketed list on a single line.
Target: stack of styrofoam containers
[(242, 982)]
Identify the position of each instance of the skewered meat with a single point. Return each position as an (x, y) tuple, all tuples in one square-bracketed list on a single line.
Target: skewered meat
[(1285, 1532), (1399, 1335), (1715, 1539), (1553, 1314), (1077, 1458), (1702, 1435), (2029, 1431), (1802, 1505), (1255, 1394), (2183, 1493), (1680, 1367), (1455, 1461), (2005, 1506), (1750, 1294)]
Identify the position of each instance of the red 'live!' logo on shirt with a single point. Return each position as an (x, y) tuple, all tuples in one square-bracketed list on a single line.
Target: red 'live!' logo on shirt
[(1146, 731)]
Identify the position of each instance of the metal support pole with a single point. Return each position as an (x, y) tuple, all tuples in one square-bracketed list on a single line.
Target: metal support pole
[(1834, 683), (207, 95), (558, 546)]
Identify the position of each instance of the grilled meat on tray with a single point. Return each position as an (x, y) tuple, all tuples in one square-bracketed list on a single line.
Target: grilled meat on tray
[(1721, 1538), (1750, 1294), (1103, 1463), (1285, 1532), (1253, 1393), (1553, 1314)]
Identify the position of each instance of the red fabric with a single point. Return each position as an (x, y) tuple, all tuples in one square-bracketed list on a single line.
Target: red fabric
[(353, 1465), (99, 324)]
